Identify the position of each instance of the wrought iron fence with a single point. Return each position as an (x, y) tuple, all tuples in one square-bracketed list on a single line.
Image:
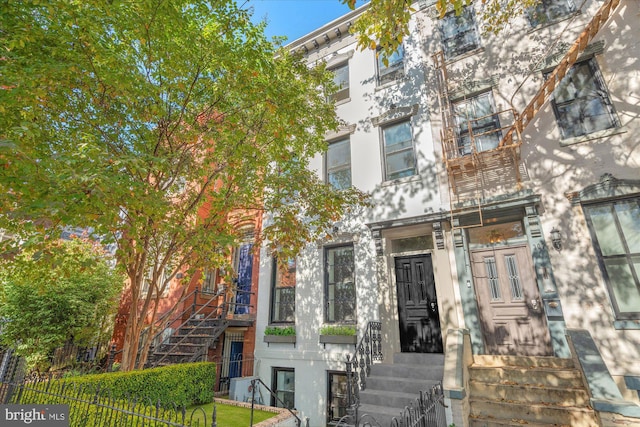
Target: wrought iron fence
[(427, 410), (89, 405), (368, 350)]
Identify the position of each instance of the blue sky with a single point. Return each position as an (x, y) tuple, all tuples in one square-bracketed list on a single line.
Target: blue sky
[(295, 18)]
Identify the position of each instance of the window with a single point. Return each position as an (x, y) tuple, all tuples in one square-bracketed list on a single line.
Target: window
[(581, 102), (209, 281), (338, 165), (283, 383), (340, 291), (547, 11), (337, 396), (615, 232), (459, 33), (399, 155), (341, 80), (477, 124), (283, 298), (393, 69), (148, 279)]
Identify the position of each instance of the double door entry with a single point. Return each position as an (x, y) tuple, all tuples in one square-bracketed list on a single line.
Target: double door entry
[(418, 315), (511, 314)]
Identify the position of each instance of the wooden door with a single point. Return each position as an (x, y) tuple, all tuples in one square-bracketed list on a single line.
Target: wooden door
[(418, 315), (511, 313)]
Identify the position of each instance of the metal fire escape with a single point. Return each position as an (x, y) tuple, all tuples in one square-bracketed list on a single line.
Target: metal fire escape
[(470, 168)]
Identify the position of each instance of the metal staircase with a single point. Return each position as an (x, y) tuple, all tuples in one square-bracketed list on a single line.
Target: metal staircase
[(470, 170)]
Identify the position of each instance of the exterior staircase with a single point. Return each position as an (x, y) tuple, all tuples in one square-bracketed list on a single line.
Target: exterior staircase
[(391, 387), (189, 343), (531, 391)]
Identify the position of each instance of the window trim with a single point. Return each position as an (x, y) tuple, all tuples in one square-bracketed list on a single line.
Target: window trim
[(274, 274), (330, 374), (495, 115), (601, 86), (326, 285), (349, 166), (537, 25), (453, 55), (412, 147), (343, 93), (602, 258), (392, 73), (274, 384)]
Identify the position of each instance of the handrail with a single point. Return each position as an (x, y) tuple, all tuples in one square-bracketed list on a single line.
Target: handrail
[(368, 350), (273, 394), (219, 314)]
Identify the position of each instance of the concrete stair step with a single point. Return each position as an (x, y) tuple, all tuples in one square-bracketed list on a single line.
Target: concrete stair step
[(382, 415), (531, 394), (405, 385), (496, 422), (418, 358), (515, 375), (533, 413), (393, 399), (427, 372), (524, 361)]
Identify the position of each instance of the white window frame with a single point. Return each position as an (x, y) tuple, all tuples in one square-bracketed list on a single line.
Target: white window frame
[(403, 148), (331, 171), (476, 132), (394, 69), (450, 34), (550, 11)]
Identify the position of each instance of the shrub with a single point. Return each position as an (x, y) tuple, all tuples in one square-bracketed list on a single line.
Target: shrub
[(338, 330), (183, 384), (277, 330)]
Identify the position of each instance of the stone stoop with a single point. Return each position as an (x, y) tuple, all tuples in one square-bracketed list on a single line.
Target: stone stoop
[(530, 391), (392, 387)]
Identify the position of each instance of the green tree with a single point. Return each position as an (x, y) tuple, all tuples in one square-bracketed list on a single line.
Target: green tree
[(386, 22), (153, 122), (65, 291)]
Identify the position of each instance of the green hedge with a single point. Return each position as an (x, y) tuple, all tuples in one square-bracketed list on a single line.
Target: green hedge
[(182, 384)]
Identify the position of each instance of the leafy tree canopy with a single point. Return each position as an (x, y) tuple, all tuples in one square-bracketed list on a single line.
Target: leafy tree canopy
[(152, 122), (386, 22), (64, 291)]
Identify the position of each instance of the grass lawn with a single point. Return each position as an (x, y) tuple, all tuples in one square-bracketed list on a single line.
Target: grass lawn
[(228, 415)]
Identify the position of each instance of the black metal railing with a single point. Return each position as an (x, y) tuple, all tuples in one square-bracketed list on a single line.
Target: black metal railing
[(427, 410), (368, 350), (255, 382), (92, 405)]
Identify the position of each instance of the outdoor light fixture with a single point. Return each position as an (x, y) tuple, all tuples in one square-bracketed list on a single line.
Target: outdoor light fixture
[(556, 239)]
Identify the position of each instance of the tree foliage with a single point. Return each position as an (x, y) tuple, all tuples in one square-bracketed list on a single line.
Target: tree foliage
[(153, 122), (385, 23), (64, 291)]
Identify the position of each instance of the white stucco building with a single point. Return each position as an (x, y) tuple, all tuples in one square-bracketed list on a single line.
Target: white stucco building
[(461, 237)]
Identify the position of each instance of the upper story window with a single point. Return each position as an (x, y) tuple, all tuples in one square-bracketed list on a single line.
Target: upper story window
[(391, 68), (615, 232), (547, 11), (581, 102), (399, 153), (459, 33), (338, 164), (477, 125), (283, 296), (341, 80), (340, 289), (209, 280)]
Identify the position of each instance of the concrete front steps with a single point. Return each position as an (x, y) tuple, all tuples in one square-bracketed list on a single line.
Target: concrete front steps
[(391, 387), (530, 391)]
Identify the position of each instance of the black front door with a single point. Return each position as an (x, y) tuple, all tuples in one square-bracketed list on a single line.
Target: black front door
[(417, 305)]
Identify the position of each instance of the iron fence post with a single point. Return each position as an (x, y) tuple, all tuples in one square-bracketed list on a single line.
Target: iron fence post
[(195, 298)]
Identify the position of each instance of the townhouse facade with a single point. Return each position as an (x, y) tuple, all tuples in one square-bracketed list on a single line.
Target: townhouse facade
[(514, 223)]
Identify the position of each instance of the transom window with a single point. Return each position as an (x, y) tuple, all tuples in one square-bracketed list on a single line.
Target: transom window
[(338, 165), (340, 290), (341, 80), (548, 11), (478, 127), (581, 102), (391, 68), (459, 33), (399, 154), (615, 232), (283, 298)]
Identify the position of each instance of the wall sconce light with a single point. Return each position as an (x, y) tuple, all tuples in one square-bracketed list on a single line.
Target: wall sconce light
[(556, 239)]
